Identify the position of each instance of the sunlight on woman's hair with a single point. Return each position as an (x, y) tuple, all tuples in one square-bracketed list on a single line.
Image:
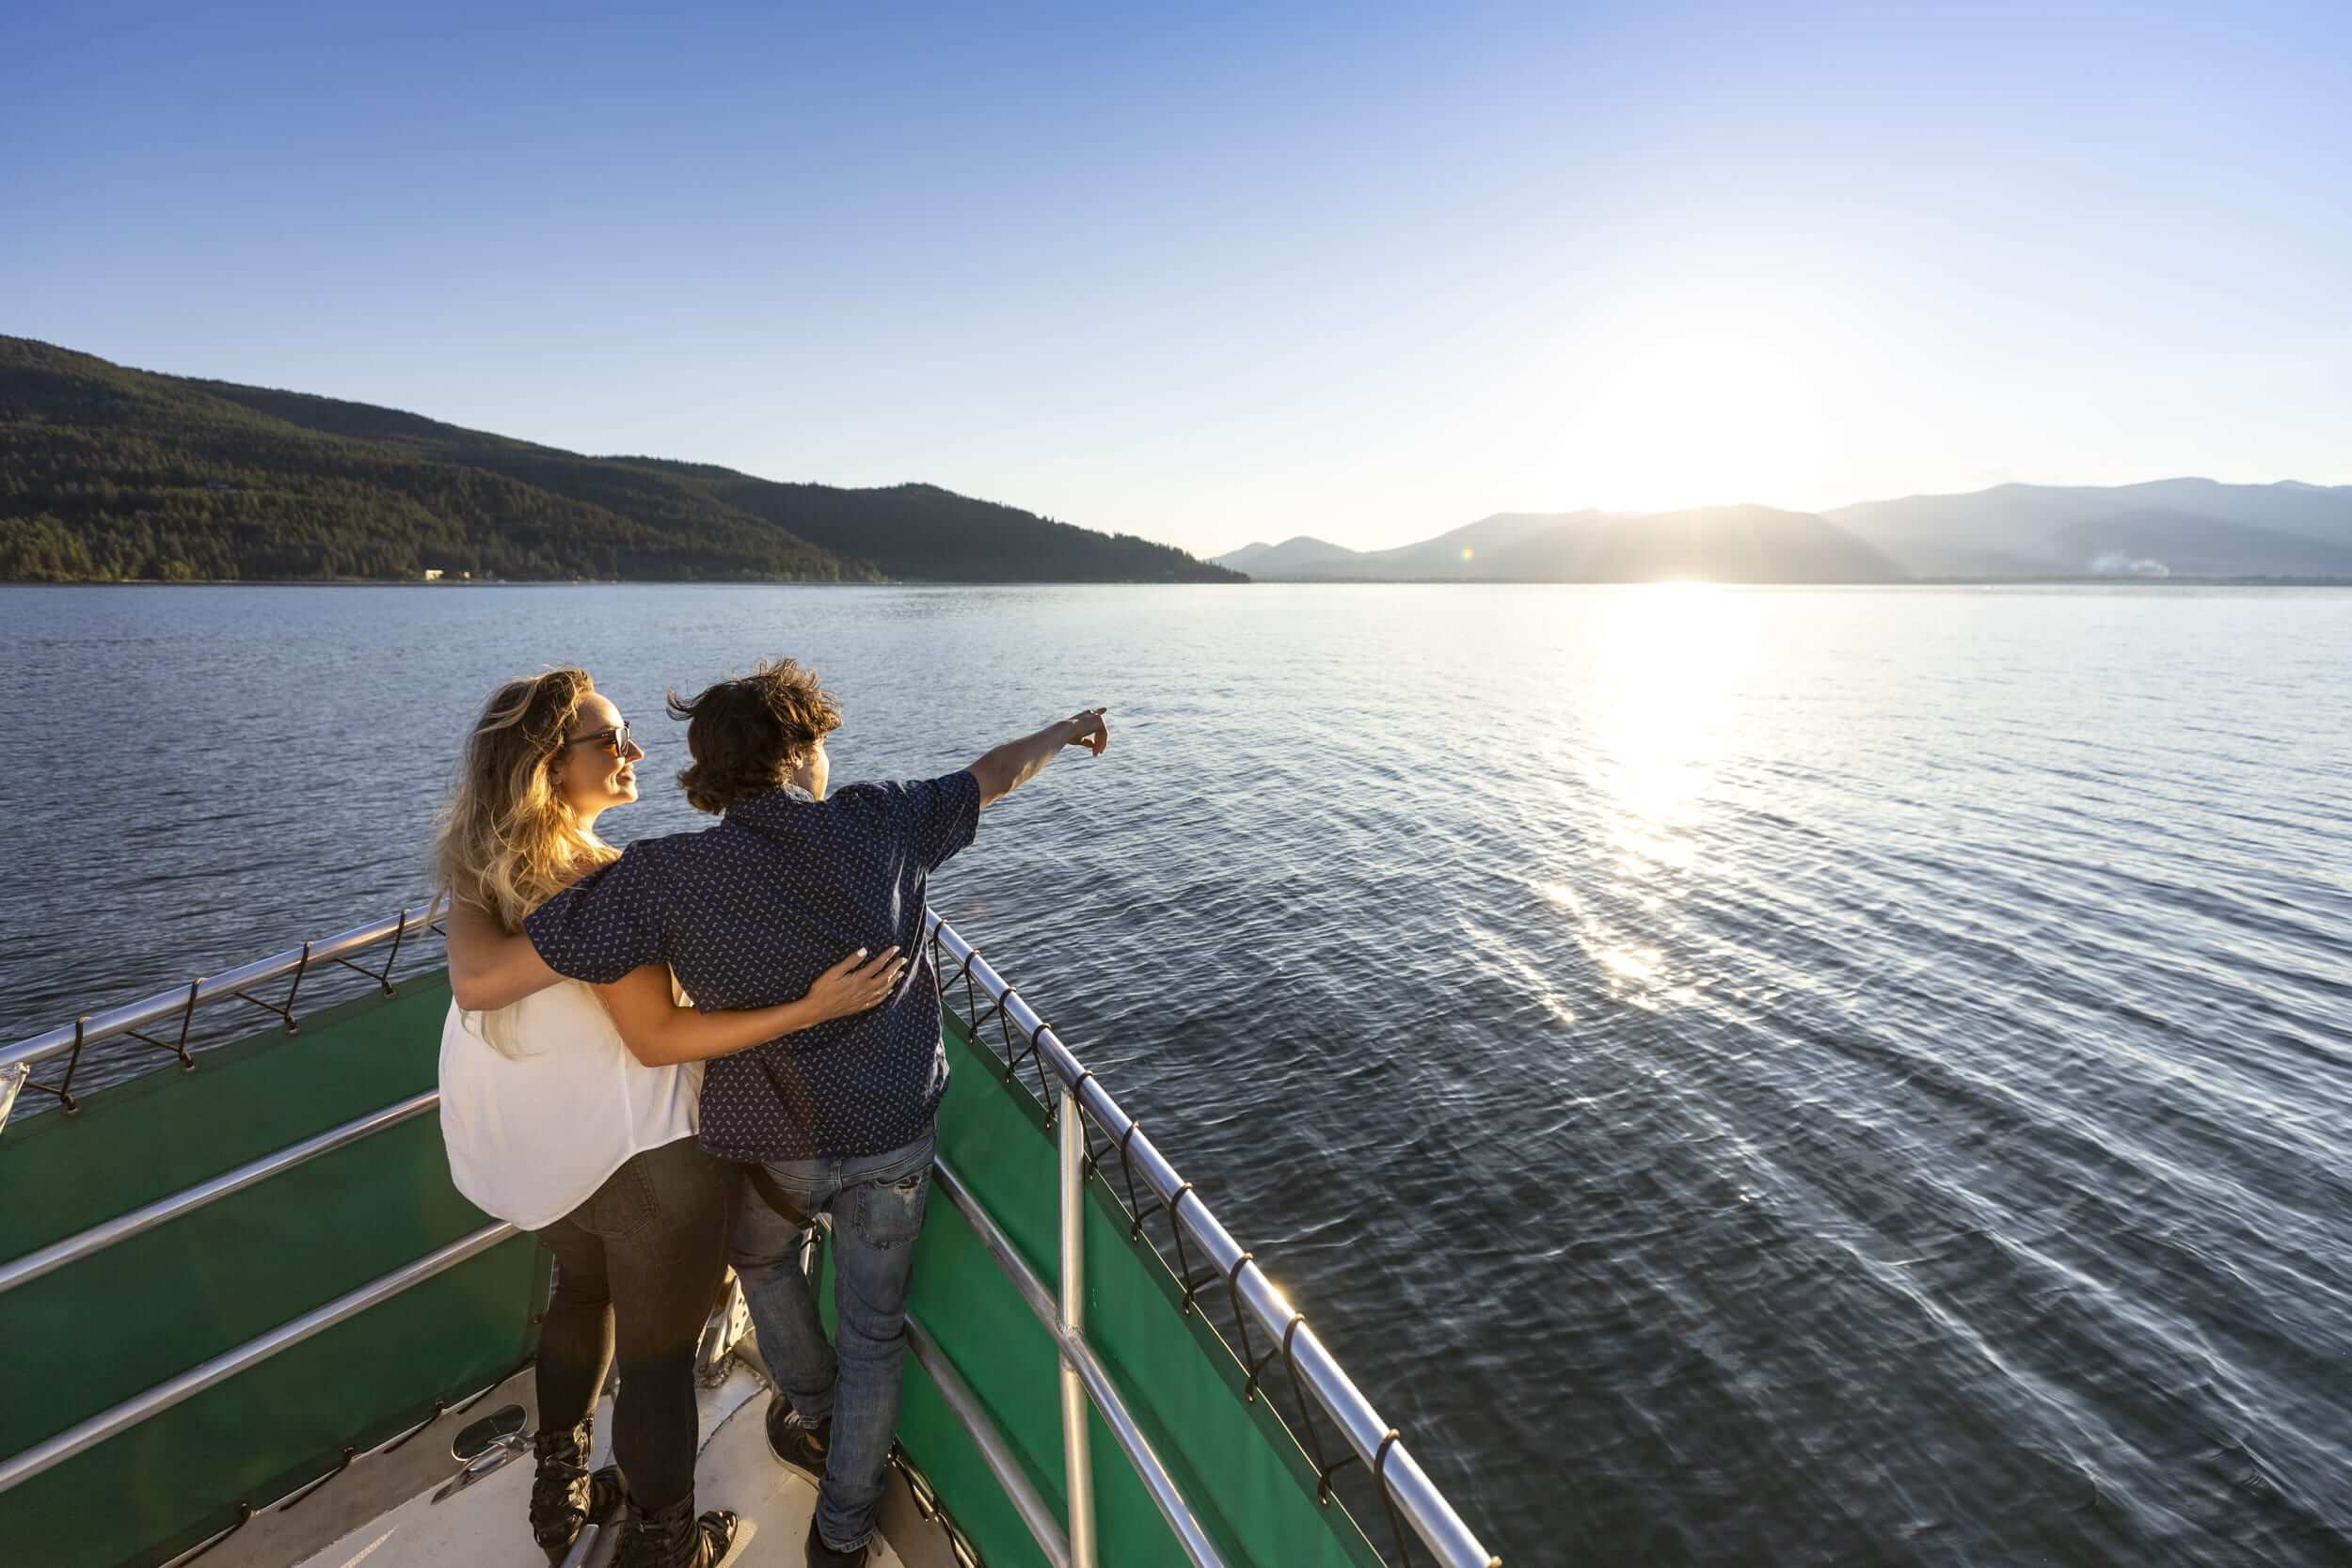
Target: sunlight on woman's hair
[(507, 841)]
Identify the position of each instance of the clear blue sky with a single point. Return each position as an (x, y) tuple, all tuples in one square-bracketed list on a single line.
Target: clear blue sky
[(1214, 274)]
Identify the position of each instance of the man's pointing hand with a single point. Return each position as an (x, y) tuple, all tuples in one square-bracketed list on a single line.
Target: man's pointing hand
[(1089, 729)]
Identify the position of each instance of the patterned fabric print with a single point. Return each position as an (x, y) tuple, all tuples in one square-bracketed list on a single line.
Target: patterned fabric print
[(748, 914)]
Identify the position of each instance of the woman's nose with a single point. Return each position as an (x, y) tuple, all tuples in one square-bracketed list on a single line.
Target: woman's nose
[(633, 753)]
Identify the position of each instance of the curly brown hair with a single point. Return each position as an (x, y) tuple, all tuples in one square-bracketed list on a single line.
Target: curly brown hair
[(747, 734)]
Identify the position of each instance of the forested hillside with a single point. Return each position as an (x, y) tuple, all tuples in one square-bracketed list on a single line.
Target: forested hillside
[(109, 474)]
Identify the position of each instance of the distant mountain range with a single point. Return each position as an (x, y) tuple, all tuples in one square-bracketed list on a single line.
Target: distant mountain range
[(109, 473), (2172, 528)]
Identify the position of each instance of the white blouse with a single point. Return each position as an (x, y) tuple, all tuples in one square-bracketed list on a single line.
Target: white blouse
[(531, 1136)]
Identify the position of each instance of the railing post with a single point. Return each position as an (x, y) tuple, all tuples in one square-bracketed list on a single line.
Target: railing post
[(1316, 1376), (1075, 1404)]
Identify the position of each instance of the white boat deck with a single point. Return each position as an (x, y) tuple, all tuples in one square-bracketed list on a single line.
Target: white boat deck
[(482, 1525)]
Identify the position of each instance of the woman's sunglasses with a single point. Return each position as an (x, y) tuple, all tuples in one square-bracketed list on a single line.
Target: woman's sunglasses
[(616, 741)]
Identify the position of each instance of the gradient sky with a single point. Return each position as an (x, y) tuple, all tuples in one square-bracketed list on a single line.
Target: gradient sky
[(1217, 273)]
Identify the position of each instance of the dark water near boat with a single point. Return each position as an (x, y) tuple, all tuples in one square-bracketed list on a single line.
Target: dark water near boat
[(1741, 1076)]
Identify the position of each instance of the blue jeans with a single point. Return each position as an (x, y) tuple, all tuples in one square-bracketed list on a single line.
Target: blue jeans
[(876, 1203)]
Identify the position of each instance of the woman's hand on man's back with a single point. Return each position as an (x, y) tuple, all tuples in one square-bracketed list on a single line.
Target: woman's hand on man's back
[(856, 984)]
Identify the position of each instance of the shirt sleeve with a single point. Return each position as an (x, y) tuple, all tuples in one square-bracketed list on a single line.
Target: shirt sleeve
[(941, 815), (606, 924)]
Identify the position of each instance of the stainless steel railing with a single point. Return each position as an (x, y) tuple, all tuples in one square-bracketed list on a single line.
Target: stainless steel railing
[(1403, 1485), (1076, 1095), (138, 1408), (178, 1005), (1082, 1367), (98, 1238), (995, 1451)]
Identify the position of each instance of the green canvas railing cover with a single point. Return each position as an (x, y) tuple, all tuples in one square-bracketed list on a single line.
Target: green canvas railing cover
[(1235, 1463), (113, 1324)]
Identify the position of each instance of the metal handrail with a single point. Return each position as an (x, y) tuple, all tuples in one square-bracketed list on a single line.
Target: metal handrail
[(94, 1027), (1406, 1484), (1079, 1356), (1074, 1388), (122, 1227), (45, 1456), (995, 1451), (1394, 1469)]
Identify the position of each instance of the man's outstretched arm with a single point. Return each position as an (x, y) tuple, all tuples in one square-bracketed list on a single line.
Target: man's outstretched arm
[(1016, 762)]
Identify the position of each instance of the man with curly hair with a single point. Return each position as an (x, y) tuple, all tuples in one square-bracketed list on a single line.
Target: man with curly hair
[(834, 1118)]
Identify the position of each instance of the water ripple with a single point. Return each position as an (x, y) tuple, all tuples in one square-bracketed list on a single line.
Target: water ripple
[(1770, 1077)]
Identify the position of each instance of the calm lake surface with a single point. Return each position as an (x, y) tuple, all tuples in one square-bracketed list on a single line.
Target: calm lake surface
[(1741, 1076)]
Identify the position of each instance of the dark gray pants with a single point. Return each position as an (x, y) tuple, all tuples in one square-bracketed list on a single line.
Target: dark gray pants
[(639, 1261)]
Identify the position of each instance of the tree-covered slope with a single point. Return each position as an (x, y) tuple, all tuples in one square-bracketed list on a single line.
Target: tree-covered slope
[(110, 473), (920, 533)]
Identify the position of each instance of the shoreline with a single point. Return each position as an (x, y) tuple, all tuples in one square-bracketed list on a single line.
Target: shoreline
[(1162, 582), (610, 582)]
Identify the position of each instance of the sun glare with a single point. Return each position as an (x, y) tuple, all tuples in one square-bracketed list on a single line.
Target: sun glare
[(1697, 415), (1655, 731), (1672, 646)]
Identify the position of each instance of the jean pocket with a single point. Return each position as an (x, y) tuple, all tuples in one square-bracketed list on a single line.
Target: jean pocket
[(625, 1208), (890, 1213)]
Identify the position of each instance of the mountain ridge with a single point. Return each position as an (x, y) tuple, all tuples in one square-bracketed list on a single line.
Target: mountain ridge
[(110, 473), (2186, 527), (2045, 530), (1299, 550)]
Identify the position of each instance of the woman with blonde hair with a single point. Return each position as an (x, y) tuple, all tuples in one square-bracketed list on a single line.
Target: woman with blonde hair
[(571, 1111)]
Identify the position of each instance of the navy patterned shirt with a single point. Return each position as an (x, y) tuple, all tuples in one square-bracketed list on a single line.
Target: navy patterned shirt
[(748, 914)]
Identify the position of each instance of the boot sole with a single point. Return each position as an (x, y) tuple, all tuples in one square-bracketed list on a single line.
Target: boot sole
[(735, 1542), (814, 1478)]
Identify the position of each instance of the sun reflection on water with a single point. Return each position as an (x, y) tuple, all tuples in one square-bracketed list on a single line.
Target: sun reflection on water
[(1667, 655), (1667, 652)]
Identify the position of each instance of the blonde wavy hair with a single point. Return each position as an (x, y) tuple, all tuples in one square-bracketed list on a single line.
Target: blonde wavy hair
[(507, 841)]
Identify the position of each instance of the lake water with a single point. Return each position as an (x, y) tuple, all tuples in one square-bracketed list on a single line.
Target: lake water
[(1741, 1077)]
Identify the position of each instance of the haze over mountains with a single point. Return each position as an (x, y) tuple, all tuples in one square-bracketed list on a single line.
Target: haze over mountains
[(2173, 528), (110, 474)]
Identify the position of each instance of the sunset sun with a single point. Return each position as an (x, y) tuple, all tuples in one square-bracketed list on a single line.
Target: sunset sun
[(1697, 417)]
